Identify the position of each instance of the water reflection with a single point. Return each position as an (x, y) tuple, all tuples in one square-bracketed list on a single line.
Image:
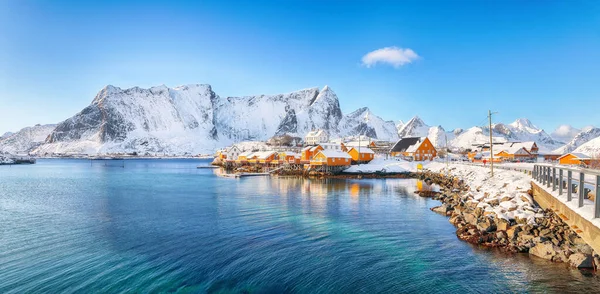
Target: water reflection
[(168, 227)]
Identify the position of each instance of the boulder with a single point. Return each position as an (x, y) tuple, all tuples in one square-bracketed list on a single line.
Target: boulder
[(581, 260), (486, 226), (470, 218), (442, 209), (545, 250), (456, 219), (502, 224), (513, 232)]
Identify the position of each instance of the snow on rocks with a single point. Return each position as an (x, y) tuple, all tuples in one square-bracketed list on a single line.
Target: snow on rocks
[(499, 212), (5, 160)]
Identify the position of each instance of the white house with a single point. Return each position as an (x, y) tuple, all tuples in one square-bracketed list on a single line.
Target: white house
[(316, 137), (233, 152)]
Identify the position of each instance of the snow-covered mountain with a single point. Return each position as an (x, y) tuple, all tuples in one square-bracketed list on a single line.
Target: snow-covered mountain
[(364, 122), (415, 127), (523, 130), (26, 139), (565, 133), (6, 135), (194, 119), (580, 139), (439, 137), (465, 139), (591, 148), (399, 125)]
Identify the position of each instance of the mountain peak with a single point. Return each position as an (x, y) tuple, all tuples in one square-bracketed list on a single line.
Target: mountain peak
[(523, 122)]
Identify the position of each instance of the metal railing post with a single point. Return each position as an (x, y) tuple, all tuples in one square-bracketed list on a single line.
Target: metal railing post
[(548, 176), (581, 188), (543, 175), (597, 198), (569, 185), (560, 181), (553, 179)]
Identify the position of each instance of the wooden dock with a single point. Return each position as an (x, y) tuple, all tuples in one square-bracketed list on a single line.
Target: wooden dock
[(207, 166)]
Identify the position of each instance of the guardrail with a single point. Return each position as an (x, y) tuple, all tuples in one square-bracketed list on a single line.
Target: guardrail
[(527, 171), (574, 180)]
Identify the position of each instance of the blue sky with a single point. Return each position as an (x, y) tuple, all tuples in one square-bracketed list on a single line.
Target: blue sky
[(538, 59)]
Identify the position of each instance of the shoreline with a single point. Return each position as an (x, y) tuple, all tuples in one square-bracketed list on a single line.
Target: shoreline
[(546, 237)]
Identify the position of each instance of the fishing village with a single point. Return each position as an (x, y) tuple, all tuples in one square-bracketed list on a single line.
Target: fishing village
[(521, 207)]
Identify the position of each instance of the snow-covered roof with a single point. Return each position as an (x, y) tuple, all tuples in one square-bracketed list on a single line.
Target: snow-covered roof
[(316, 133), (246, 154), (580, 155), (290, 153), (408, 144), (518, 149), (264, 154), (307, 148), (357, 143), (364, 150), (334, 153)]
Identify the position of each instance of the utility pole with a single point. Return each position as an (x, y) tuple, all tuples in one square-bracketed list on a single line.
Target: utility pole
[(447, 153), (491, 143)]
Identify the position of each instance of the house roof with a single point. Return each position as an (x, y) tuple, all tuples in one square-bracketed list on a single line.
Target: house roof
[(314, 148), (264, 154), (357, 143), (578, 155), (246, 154), (334, 154), (316, 133), (518, 149), (307, 148), (364, 150), (404, 144)]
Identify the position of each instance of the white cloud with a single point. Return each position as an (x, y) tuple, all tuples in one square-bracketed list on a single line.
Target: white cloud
[(394, 56)]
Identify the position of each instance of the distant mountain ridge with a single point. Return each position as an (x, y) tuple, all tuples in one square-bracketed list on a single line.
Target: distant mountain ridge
[(193, 119)]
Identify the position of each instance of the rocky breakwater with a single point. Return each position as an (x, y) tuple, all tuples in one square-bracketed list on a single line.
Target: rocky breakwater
[(500, 212)]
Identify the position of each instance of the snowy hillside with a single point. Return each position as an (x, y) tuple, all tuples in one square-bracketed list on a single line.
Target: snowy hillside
[(6, 135), (475, 135), (415, 127), (26, 139), (591, 148), (364, 122), (523, 130), (194, 119), (438, 136), (565, 133), (578, 140)]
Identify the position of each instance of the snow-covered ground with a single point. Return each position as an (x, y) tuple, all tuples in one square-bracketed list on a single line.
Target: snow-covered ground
[(513, 185), (505, 194), (383, 165)]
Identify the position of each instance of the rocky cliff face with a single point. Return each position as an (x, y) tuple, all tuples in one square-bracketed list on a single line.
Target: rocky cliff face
[(26, 139), (194, 119)]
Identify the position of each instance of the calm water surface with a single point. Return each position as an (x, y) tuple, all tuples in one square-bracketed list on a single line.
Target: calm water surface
[(164, 226)]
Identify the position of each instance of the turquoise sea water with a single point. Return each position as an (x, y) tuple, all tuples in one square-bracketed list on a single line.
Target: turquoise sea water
[(76, 226)]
